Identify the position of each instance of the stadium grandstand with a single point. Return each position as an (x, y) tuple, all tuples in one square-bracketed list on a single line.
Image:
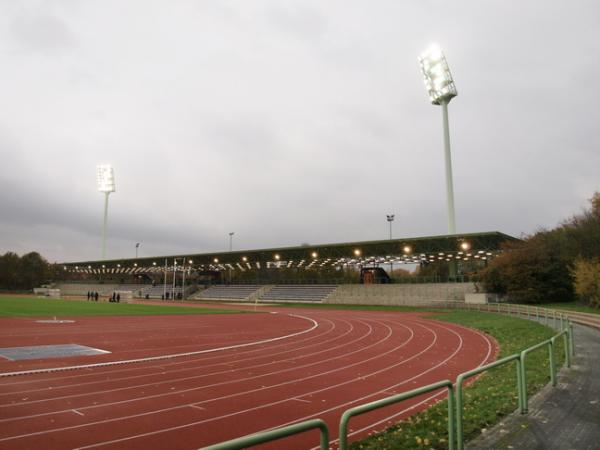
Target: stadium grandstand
[(307, 273)]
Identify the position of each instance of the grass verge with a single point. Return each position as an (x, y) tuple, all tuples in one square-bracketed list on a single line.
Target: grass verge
[(488, 399), (12, 306)]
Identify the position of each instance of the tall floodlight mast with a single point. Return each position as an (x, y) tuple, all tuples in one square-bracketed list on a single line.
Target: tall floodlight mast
[(106, 185), (441, 89)]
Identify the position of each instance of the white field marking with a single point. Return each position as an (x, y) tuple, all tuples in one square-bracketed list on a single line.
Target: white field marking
[(162, 366), (162, 357), (170, 381), (203, 387), (301, 400), (431, 397), (256, 407), (77, 412), (197, 407), (171, 372), (214, 399)]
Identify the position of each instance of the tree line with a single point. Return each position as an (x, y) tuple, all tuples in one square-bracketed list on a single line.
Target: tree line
[(557, 265), (23, 273)]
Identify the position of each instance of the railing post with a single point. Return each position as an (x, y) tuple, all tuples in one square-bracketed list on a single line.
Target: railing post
[(571, 339), (521, 388), (552, 364), (567, 350), (459, 413), (451, 420), (562, 326)]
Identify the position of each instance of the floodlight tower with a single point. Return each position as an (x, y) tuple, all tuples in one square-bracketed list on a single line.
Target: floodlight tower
[(441, 89), (106, 185), (390, 219)]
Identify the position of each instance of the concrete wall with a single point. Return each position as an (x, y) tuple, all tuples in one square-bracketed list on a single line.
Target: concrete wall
[(400, 294), (82, 289)]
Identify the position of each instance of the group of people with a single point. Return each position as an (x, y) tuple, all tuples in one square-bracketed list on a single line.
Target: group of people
[(94, 296)]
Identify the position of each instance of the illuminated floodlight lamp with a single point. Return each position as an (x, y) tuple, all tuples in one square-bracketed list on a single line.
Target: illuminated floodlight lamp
[(407, 249), (105, 176), (277, 257), (465, 245), (314, 254), (357, 252), (436, 74)]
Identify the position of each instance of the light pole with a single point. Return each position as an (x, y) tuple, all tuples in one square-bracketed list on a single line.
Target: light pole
[(390, 219), (136, 249), (231, 233), (441, 89), (106, 184)]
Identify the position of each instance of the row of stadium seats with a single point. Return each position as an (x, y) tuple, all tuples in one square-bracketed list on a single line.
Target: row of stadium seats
[(278, 293), (304, 293), (230, 292)]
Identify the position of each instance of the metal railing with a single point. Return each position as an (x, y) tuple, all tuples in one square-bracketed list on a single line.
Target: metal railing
[(459, 391), (272, 435), (395, 399), (455, 391)]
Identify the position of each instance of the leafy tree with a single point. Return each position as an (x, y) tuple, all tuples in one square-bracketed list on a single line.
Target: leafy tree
[(23, 273), (35, 270), (587, 280), (9, 270), (542, 267)]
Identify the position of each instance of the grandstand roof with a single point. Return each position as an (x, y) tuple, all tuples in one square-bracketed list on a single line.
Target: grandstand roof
[(484, 246)]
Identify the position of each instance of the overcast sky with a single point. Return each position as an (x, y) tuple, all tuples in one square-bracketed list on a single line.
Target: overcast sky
[(289, 121)]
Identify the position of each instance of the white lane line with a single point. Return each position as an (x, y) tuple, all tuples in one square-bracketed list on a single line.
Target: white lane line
[(300, 400), (162, 367), (197, 407), (431, 397), (170, 381), (254, 408), (154, 383), (77, 412), (263, 388), (313, 392), (162, 357)]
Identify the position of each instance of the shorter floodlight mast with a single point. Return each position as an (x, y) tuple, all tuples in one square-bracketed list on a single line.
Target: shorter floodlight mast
[(106, 185), (441, 89)]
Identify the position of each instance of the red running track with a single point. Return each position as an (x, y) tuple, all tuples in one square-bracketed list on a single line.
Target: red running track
[(238, 374)]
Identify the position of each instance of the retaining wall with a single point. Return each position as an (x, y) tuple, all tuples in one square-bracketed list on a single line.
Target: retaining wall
[(400, 294)]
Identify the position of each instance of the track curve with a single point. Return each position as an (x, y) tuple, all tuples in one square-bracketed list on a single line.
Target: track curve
[(184, 382)]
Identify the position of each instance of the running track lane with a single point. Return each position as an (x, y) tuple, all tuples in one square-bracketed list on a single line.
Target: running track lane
[(242, 374)]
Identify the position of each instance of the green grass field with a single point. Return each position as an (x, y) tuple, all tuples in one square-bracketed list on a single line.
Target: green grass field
[(16, 306)]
